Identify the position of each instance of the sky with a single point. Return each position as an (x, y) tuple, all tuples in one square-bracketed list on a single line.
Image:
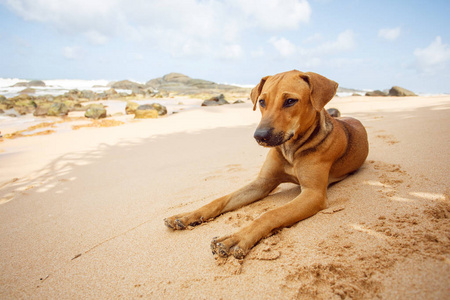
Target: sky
[(362, 44)]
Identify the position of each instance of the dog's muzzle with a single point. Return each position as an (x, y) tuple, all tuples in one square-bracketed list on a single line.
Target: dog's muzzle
[(267, 137)]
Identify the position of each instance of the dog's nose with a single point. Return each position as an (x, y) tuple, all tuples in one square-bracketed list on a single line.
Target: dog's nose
[(262, 135)]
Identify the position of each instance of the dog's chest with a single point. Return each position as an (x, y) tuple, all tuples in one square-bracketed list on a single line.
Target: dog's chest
[(288, 154)]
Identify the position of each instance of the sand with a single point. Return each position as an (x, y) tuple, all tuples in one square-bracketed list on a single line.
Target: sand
[(81, 211)]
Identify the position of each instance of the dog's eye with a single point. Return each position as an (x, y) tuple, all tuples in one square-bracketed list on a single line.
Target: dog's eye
[(290, 102), (262, 103)]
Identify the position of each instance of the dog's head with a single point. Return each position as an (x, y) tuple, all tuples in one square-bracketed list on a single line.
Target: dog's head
[(289, 103)]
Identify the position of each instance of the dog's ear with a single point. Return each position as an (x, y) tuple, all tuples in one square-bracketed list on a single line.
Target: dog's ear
[(321, 88), (256, 91)]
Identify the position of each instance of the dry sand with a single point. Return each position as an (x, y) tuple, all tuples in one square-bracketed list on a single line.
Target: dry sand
[(81, 212)]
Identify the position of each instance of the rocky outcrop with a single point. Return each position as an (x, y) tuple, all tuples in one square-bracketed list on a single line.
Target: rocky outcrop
[(126, 85), (30, 83), (95, 111), (182, 84), (214, 101), (400, 92), (376, 93)]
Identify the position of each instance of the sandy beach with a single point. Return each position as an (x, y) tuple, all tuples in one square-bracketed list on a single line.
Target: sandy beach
[(81, 211)]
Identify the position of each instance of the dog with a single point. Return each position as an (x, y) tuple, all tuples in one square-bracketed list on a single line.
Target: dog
[(307, 147)]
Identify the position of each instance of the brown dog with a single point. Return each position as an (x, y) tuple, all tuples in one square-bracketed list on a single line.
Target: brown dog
[(308, 147)]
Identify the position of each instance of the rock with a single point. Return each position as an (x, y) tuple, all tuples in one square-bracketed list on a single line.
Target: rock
[(95, 111), (20, 98), (110, 92), (23, 110), (87, 94), (28, 91), (126, 85), (334, 112), (161, 109), (355, 94), (5, 103), (238, 101), (30, 83), (36, 83), (131, 107), (400, 92), (146, 111), (376, 93), (42, 109), (58, 109), (180, 83), (21, 84), (2, 111), (218, 100)]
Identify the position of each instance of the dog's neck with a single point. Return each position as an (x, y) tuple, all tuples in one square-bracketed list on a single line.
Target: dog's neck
[(308, 141)]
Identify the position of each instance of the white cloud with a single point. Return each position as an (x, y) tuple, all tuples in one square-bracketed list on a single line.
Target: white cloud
[(259, 52), (284, 46), (231, 52), (96, 38), (276, 15), (344, 42), (390, 34), (73, 53), (180, 27), (434, 57)]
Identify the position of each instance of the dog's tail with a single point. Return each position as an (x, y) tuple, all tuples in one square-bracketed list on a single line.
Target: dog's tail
[(334, 112)]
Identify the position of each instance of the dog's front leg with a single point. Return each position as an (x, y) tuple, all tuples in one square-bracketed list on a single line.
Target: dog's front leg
[(252, 192), (308, 203)]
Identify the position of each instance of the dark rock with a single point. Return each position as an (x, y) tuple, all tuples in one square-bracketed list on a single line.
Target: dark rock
[(334, 112), (217, 100), (376, 93), (58, 109), (400, 92), (95, 111)]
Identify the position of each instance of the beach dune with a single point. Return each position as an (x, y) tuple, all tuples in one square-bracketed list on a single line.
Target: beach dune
[(81, 211)]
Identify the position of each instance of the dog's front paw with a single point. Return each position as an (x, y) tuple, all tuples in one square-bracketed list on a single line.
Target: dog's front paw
[(181, 222), (229, 245), (174, 223)]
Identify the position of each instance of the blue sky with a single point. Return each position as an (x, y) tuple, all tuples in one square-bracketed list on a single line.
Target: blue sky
[(360, 44)]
